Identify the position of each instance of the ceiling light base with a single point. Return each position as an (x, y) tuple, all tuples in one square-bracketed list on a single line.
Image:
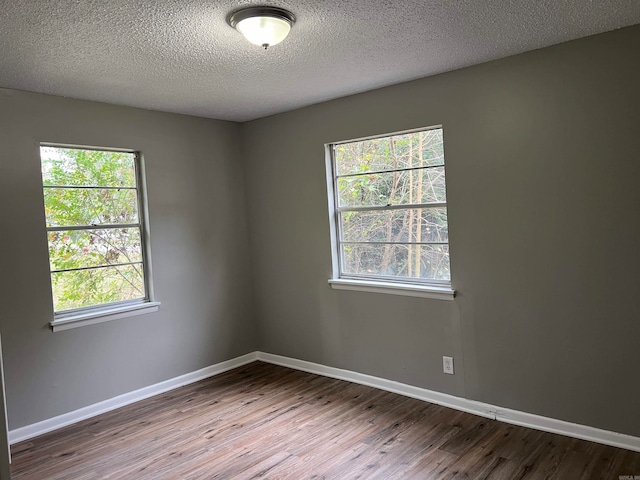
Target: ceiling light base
[(262, 26)]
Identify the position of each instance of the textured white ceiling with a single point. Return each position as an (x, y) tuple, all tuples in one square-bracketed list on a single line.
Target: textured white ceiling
[(181, 56)]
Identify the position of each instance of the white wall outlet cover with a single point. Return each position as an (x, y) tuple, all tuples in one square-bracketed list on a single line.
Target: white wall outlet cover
[(447, 365)]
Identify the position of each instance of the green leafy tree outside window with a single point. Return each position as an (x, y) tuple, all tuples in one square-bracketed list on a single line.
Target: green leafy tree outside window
[(93, 226)]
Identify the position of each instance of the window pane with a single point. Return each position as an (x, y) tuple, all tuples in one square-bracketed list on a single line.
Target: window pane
[(70, 207), (380, 236), (70, 166), (393, 188), (399, 151), (410, 225), (92, 248), (87, 288), (426, 262)]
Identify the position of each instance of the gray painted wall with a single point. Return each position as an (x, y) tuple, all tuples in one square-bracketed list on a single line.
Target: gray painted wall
[(199, 244), (542, 155)]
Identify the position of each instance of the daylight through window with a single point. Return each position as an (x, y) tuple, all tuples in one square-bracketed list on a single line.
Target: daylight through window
[(94, 227), (391, 208)]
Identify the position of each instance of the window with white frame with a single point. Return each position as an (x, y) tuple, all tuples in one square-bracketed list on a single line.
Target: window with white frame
[(390, 209), (95, 228)]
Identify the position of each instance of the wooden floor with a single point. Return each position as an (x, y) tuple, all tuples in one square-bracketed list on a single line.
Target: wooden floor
[(264, 421)]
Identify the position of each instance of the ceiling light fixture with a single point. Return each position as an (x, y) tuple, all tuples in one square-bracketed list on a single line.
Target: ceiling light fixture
[(263, 26)]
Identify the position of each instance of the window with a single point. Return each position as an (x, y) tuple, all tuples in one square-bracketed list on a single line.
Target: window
[(95, 229), (390, 211)]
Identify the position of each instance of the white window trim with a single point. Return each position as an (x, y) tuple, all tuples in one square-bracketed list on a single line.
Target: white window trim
[(408, 290), (100, 315), (437, 291)]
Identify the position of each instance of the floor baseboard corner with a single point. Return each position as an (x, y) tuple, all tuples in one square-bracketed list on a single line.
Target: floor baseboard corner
[(506, 415)]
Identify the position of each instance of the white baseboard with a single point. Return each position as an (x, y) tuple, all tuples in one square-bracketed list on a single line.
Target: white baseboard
[(506, 415), (35, 429), (575, 430), (431, 396)]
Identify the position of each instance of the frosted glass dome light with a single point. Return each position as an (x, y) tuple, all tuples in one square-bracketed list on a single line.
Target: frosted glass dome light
[(263, 26)]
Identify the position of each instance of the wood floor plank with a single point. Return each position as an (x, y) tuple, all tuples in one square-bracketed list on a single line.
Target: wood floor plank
[(263, 421)]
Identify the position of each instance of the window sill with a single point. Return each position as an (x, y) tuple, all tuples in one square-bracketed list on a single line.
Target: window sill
[(106, 315), (424, 291)]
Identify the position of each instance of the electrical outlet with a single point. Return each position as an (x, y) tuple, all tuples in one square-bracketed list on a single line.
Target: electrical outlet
[(447, 365)]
